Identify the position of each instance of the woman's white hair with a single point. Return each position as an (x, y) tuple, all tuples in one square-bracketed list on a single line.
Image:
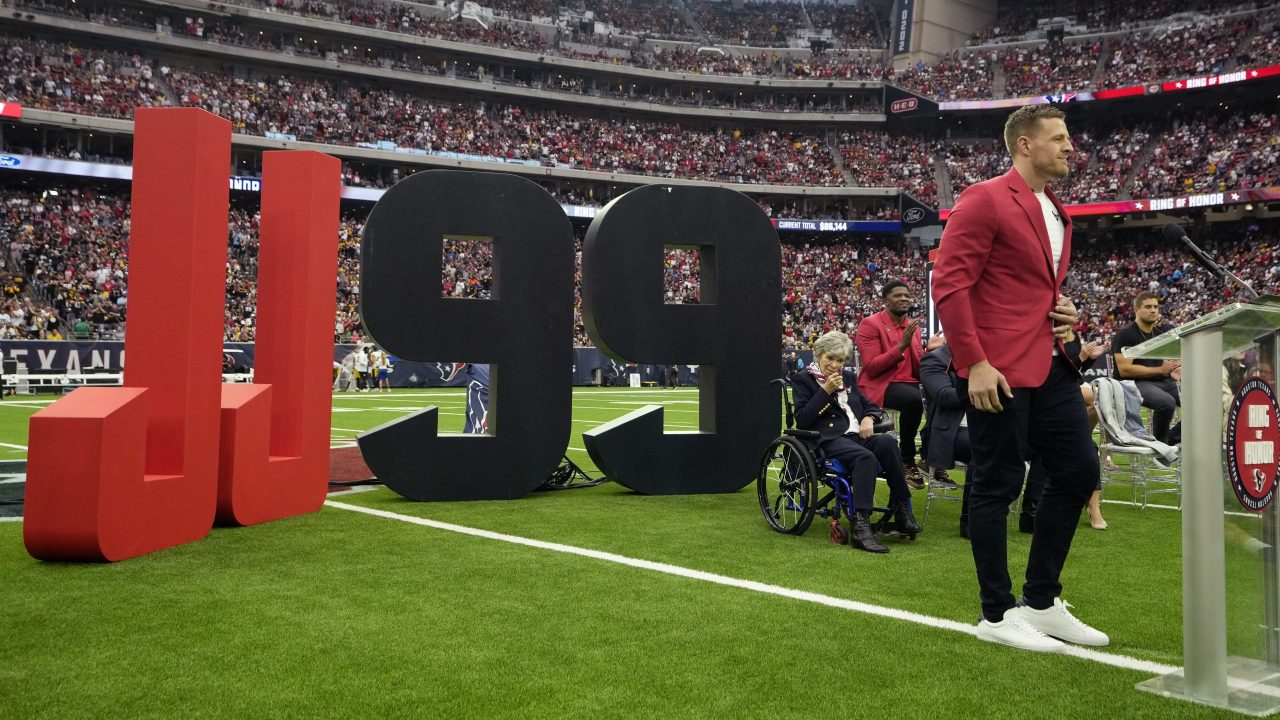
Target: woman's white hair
[(835, 344)]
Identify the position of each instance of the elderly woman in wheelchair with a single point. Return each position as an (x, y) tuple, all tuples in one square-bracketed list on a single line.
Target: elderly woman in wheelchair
[(835, 440)]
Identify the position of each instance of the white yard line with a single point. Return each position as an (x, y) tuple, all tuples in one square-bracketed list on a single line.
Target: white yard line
[(1121, 661), (1233, 513)]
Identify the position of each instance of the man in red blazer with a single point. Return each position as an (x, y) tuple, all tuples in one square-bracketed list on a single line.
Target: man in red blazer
[(889, 346), (1001, 263)]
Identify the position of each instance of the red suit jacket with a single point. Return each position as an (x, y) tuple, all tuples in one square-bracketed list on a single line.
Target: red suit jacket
[(877, 341), (993, 283)]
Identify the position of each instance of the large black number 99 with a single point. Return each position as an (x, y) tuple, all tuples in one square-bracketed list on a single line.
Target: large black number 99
[(525, 331), (734, 334)]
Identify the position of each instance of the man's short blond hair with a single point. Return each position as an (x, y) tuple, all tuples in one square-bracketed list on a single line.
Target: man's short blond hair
[(1025, 121)]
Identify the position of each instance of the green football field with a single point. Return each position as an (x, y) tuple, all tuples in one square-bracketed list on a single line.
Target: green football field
[(593, 603)]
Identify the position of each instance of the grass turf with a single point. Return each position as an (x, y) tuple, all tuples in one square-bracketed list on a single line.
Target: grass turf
[(342, 614)]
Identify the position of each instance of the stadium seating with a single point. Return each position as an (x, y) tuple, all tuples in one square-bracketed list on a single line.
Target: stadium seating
[(67, 262)]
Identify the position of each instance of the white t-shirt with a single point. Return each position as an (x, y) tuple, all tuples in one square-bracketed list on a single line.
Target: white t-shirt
[(1052, 221)]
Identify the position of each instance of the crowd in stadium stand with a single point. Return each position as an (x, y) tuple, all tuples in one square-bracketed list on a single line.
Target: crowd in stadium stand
[(1102, 162), (853, 25), (1197, 156), (66, 251), (1198, 49), (525, 9), (65, 271), (1264, 47), (58, 76), (1096, 15), (755, 24), (329, 112), (1106, 276), (875, 158), (1140, 56), (1052, 67), (829, 286), (836, 63), (657, 18), (1210, 153), (958, 76)]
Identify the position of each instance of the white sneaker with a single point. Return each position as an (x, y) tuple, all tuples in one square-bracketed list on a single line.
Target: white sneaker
[(1015, 631), (1058, 622)]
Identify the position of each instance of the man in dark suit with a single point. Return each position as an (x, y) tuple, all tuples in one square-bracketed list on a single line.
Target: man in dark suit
[(948, 441), (1001, 264), (827, 400)]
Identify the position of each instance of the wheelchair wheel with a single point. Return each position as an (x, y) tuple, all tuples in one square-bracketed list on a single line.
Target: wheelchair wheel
[(787, 486)]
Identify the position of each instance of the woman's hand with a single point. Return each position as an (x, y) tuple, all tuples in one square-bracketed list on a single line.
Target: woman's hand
[(833, 383), (865, 427)]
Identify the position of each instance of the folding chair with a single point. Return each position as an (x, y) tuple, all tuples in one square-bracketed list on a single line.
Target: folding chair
[(1144, 471)]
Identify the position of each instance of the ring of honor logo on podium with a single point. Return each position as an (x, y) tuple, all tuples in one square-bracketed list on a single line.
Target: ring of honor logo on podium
[(1252, 438)]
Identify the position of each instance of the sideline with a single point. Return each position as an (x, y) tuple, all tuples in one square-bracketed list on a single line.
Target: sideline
[(1120, 661)]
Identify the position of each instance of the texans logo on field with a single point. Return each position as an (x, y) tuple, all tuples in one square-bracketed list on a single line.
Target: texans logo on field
[(1252, 442), (913, 216), (449, 371), (10, 161)]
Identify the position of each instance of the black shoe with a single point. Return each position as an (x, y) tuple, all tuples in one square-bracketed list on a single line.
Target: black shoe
[(904, 521), (964, 530), (861, 536), (942, 478)]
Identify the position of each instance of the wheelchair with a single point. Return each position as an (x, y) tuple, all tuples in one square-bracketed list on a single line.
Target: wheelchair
[(791, 469)]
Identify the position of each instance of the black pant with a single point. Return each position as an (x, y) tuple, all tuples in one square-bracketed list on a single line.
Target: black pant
[(1050, 421), (1162, 397), (863, 459), (905, 398)]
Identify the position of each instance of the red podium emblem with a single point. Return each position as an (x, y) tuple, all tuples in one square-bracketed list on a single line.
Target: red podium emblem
[(1252, 439)]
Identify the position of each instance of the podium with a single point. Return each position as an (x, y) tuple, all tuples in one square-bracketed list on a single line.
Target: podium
[(1248, 685)]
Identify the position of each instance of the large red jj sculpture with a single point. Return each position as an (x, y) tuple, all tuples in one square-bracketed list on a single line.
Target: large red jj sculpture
[(113, 473)]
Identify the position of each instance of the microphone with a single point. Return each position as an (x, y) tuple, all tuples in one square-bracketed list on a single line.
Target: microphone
[(1174, 232)]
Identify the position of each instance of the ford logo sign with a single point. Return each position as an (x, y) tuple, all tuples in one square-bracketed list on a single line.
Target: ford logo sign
[(10, 161), (913, 216)]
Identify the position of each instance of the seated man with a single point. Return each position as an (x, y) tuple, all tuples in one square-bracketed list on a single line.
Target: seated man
[(1157, 380), (828, 401), (889, 345)]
